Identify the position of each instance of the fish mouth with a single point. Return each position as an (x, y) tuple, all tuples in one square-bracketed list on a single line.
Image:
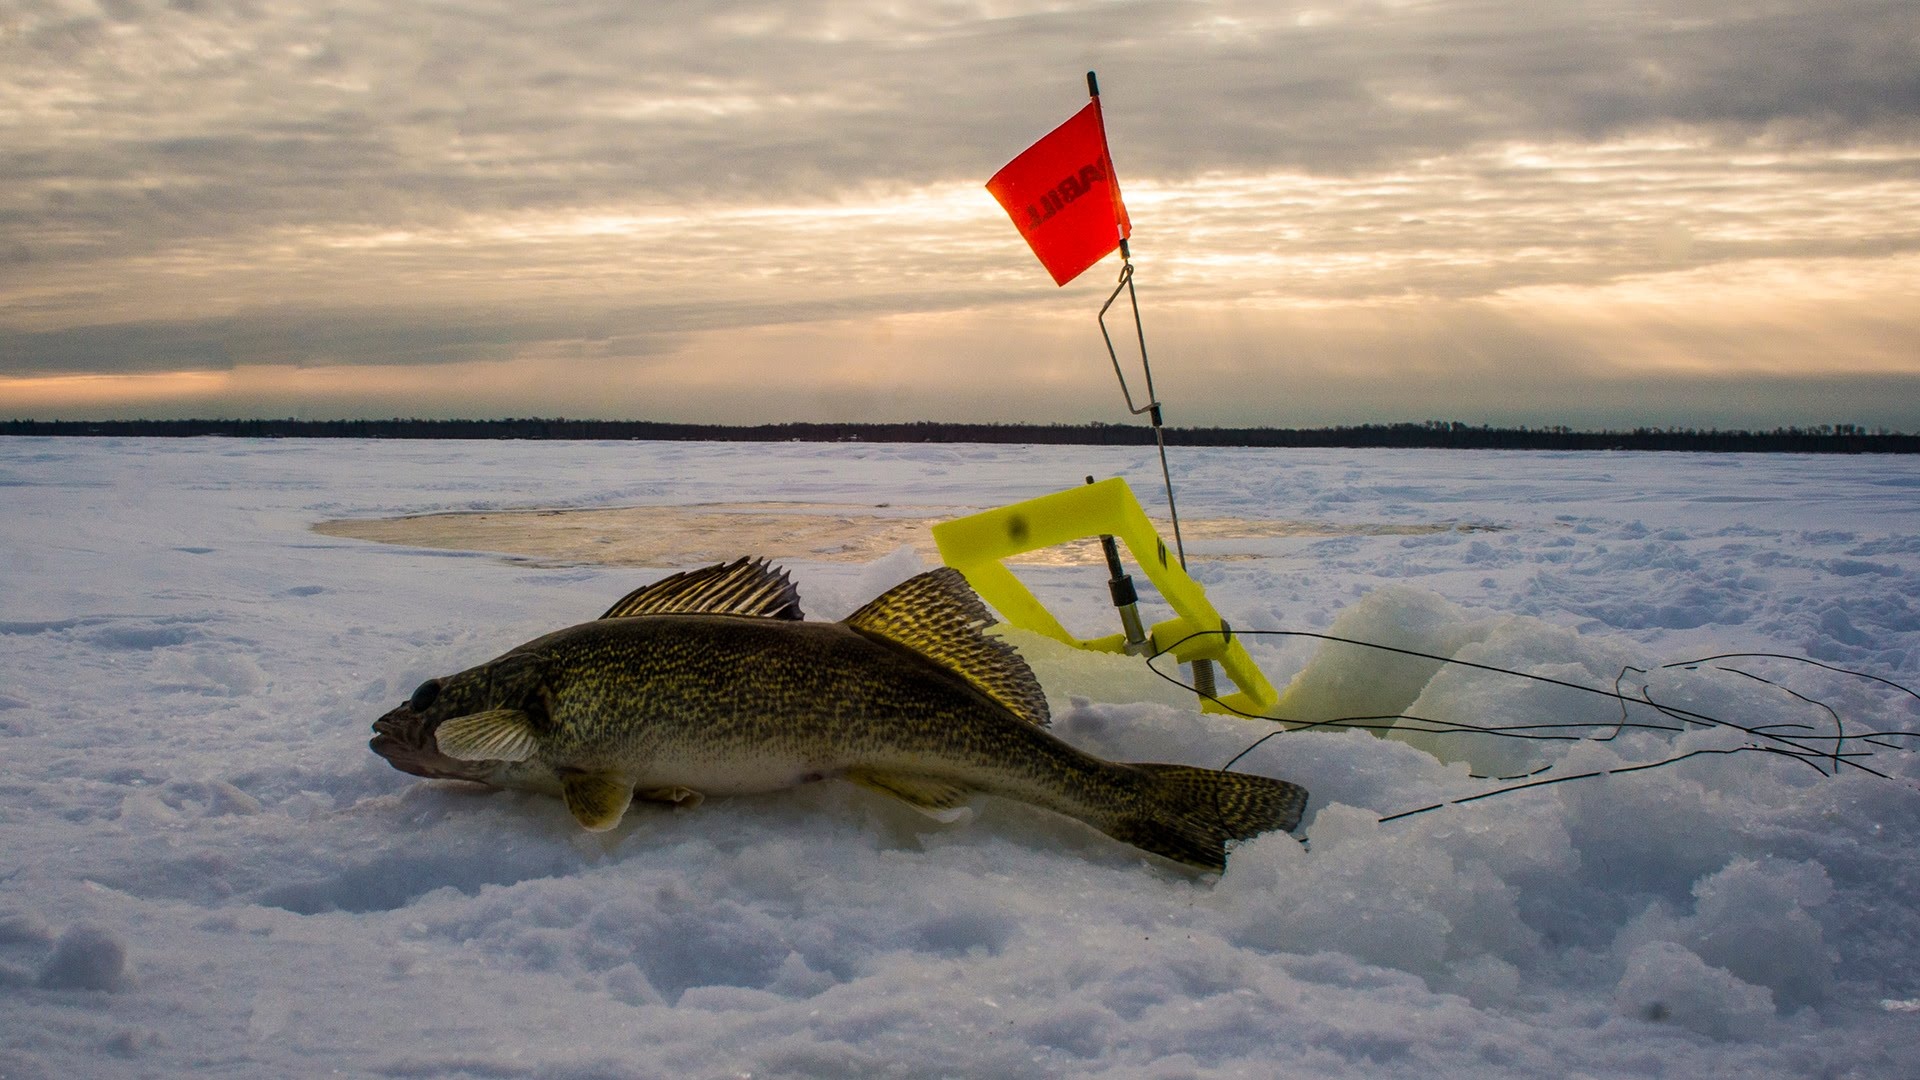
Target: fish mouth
[(405, 739)]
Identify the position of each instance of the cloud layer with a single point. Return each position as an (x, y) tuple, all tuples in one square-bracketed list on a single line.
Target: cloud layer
[(1354, 193)]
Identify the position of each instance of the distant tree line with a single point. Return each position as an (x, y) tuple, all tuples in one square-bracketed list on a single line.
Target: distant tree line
[(1432, 434)]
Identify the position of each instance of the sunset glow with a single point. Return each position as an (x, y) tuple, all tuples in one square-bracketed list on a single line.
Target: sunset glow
[(365, 219)]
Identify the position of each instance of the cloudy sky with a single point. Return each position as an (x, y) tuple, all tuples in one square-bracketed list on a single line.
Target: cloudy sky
[(1604, 212)]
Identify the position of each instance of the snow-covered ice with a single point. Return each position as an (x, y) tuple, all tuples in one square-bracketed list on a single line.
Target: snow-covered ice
[(204, 871)]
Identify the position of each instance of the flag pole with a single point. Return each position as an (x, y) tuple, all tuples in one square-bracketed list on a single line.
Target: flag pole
[(1202, 669)]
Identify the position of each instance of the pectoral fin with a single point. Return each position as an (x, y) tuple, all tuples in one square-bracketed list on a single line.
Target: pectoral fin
[(598, 800), (494, 735)]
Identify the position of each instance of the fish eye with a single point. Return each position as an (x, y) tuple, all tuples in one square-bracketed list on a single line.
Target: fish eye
[(422, 699)]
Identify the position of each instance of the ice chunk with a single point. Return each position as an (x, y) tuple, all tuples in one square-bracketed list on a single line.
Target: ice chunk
[(1750, 918), (88, 957), (1350, 680), (1667, 983), (1345, 680), (23, 927), (1394, 896)]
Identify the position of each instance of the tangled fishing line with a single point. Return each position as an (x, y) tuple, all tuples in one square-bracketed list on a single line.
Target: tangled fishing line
[(1827, 754)]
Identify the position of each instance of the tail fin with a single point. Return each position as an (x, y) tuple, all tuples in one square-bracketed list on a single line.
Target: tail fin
[(1189, 814)]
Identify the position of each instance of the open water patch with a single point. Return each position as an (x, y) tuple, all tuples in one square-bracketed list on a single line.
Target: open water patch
[(670, 536)]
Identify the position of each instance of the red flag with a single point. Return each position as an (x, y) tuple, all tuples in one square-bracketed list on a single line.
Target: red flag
[(1064, 198)]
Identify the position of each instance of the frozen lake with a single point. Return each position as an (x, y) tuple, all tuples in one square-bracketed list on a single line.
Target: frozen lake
[(205, 871)]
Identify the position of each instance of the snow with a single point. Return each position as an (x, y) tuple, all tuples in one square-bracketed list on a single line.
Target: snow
[(203, 870)]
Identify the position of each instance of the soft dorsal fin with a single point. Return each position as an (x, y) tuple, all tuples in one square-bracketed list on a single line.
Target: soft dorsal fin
[(741, 587), (938, 616)]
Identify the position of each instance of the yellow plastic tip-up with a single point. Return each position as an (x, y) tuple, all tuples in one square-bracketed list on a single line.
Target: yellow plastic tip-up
[(977, 545)]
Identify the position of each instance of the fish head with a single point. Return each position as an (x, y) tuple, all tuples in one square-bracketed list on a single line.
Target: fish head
[(405, 735)]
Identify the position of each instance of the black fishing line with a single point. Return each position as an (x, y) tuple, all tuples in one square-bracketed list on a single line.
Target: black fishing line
[(1798, 660), (1772, 740), (1686, 717), (1839, 727)]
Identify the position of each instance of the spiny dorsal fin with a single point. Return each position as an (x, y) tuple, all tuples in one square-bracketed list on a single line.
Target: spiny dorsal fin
[(938, 616), (741, 587)]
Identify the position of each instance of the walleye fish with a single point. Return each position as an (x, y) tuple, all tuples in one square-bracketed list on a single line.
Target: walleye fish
[(710, 682)]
